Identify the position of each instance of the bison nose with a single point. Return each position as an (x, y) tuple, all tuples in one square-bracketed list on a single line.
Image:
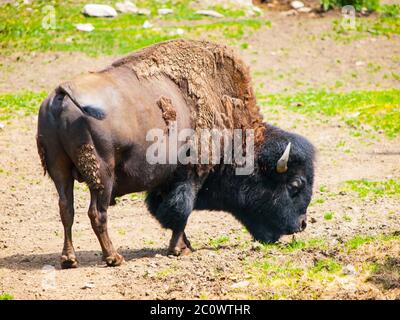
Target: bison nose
[(303, 224)]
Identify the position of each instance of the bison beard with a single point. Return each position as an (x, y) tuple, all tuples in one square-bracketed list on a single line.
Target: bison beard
[(93, 129)]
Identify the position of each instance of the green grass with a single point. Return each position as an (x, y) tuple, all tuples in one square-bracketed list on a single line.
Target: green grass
[(219, 242), (24, 103), (359, 240), (328, 265), (6, 296), (328, 216), (379, 109), (297, 274), (375, 189), (357, 4), (21, 30), (317, 201), (137, 196), (293, 246)]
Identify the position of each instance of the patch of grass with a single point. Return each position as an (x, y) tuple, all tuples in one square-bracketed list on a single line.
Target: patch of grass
[(326, 265), (6, 296), (328, 215), (19, 104), (396, 76), (121, 231), (294, 245), (357, 4), (378, 109), (149, 242), (164, 273), (21, 29), (317, 201), (375, 189), (296, 274), (360, 240), (347, 218), (323, 188), (204, 296), (137, 196), (219, 242), (390, 10), (244, 46)]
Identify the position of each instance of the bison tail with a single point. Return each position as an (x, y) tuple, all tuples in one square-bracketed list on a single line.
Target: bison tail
[(42, 155), (92, 111)]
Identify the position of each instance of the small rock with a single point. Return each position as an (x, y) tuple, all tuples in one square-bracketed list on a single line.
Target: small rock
[(88, 285), (99, 10), (86, 27), (297, 104), (304, 10), (147, 25), (144, 11), (178, 32), (349, 270), (159, 256), (126, 7), (313, 220), (297, 5), (241, 284), (210, 13), (256, 10), (2, 126), (164, 11), (360, 63), (289, 13)]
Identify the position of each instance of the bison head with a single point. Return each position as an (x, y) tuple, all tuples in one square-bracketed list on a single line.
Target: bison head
[(273, 200)]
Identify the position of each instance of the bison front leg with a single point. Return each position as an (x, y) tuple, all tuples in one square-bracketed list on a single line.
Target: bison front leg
[(100, 199), (179, 244), (172, 210)]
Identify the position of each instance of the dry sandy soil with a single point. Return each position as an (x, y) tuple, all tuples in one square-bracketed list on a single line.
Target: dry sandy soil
[(31, 231)]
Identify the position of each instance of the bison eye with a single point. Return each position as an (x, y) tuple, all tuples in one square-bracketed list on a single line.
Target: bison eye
[(295, 186)]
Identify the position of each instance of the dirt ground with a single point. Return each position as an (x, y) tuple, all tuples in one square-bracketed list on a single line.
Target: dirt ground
[(30, 228)]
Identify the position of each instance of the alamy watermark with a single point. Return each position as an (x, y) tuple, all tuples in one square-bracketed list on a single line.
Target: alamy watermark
[(49, 19), (48, 277), (348, 21), (204, 146)]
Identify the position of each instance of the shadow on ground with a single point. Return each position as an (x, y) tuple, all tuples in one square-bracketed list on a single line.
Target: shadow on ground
[(85, 258)]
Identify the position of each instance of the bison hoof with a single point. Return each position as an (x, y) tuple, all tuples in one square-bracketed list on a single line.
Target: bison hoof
[(68, 262), (115, 260), (177, 251)]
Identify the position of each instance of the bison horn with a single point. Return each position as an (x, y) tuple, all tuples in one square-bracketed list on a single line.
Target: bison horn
[(281, 165)]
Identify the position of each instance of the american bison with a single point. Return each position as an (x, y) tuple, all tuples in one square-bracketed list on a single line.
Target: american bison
[(93, 129)]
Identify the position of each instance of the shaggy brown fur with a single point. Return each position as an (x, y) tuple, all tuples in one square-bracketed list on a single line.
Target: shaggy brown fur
[(213, 78), (89, 167), (167, 109)]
